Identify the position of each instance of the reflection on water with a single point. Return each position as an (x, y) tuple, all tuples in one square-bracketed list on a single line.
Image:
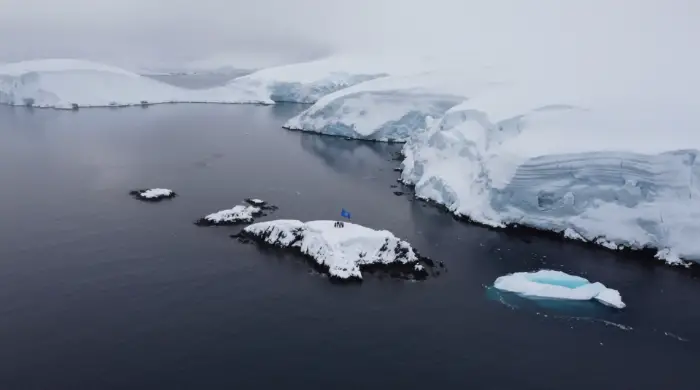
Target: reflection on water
[(348, 155)]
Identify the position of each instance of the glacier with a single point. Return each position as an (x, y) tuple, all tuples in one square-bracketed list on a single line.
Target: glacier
[(596, 167), (68, 83), (594, 157), (342, 251), (549, 284)]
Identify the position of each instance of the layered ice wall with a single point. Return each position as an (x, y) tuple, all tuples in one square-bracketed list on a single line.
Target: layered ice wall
[(595, 167)]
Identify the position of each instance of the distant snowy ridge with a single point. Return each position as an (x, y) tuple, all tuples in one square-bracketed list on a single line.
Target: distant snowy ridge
[(307, 82), (68, 83), (65, 83)]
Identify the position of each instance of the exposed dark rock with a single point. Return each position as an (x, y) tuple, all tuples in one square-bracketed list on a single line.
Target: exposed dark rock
[(261, 204)]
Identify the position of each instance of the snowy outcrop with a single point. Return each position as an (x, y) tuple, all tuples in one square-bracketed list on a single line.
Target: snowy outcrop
[(342, 251), (255, 201), (614, 167), (153, 194), (391, 108), (69, 84), (548, 284), (307, 82), (236, 215), (261, 204)]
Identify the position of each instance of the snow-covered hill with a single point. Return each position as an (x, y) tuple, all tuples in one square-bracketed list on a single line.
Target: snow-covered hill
[(63, 83)]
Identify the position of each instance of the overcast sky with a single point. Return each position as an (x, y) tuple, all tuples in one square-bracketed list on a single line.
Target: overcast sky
[(163, 31)]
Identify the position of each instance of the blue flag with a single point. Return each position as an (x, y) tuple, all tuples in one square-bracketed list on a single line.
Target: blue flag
[(345, 213)]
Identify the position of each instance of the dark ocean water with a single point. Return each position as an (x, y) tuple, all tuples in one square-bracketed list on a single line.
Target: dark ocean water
[(100, 291)]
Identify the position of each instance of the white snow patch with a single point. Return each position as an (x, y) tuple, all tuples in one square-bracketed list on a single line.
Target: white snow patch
[(156, 193), (670, 257), (342, 250), (572, 235), (256, 202), (558, 285)]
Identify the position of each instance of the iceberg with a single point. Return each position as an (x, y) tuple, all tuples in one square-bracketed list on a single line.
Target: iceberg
[(69, 84), (548, 284), (614, 167), (307, 82), (153, 194), (393, 108), (341, 250)]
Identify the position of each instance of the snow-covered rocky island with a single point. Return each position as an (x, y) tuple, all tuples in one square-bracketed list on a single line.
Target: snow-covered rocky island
[(259, 203), (342, 250), (236, 215), (153, 194), (548, 284)]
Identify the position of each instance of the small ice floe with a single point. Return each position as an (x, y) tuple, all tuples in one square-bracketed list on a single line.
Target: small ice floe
[(153, 194), (550, 284), (237, 215), (342, 250)]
